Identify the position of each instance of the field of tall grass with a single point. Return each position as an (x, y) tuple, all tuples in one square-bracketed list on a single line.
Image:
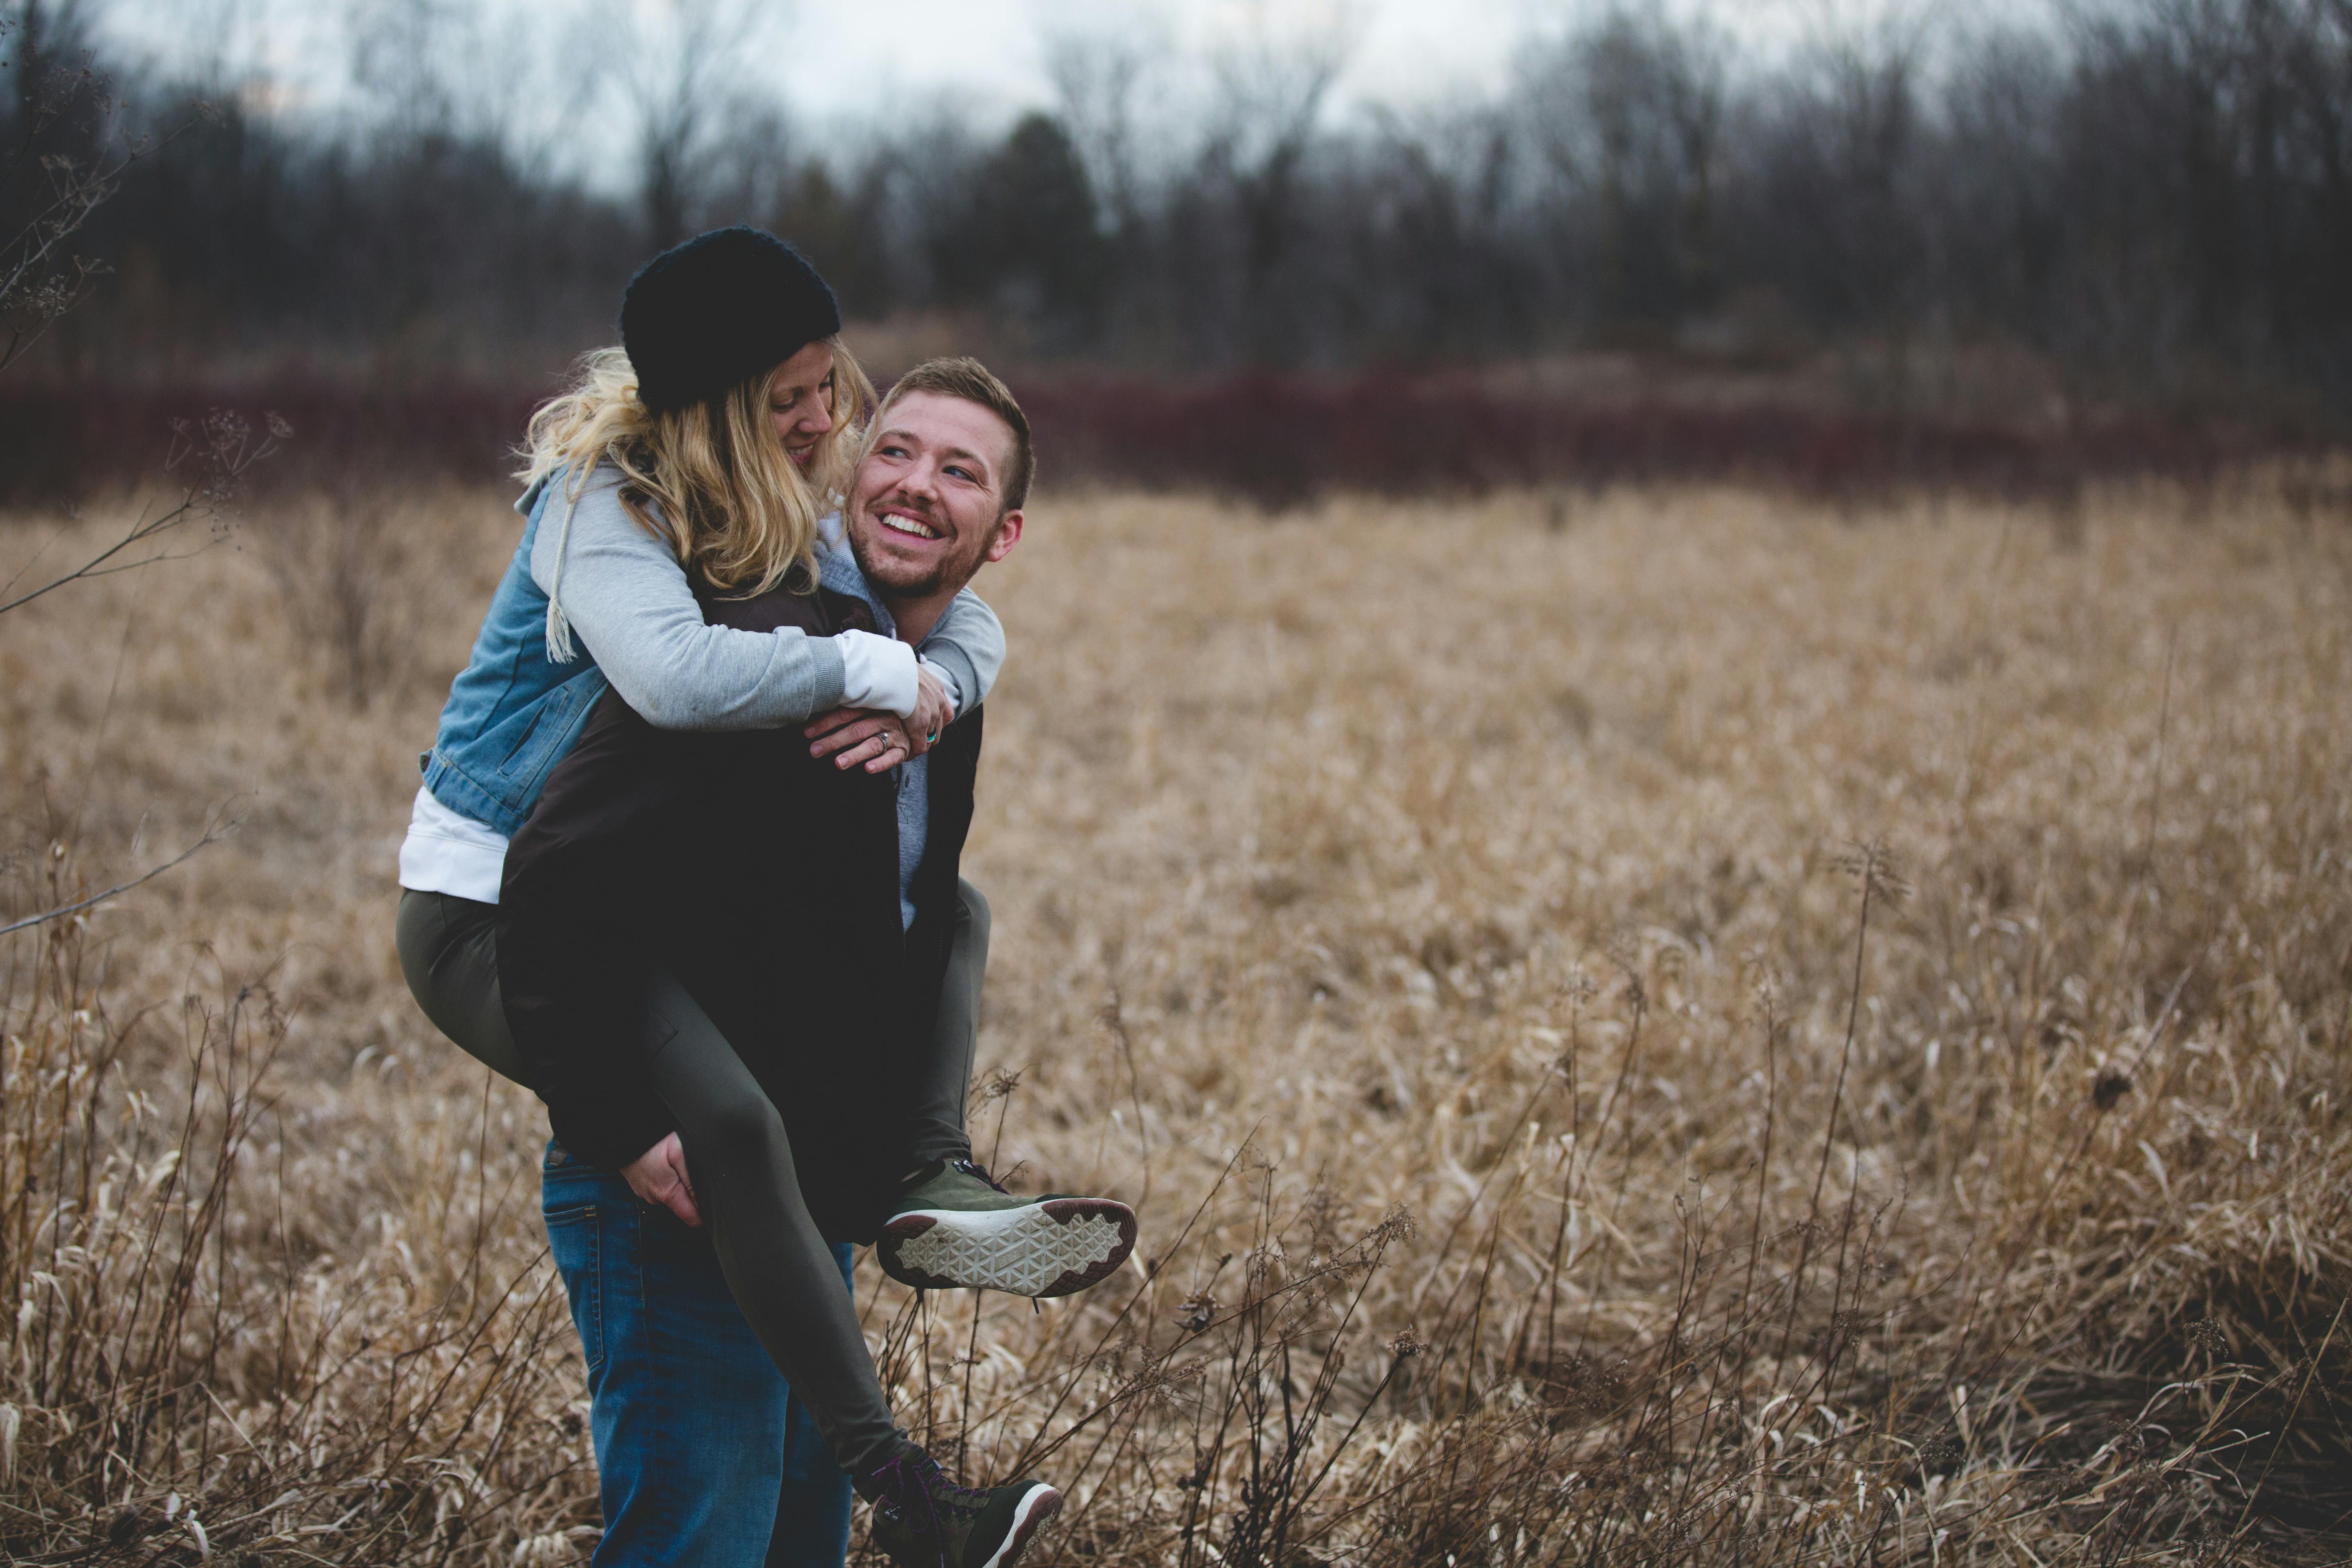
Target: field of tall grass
[(1673, 1026)]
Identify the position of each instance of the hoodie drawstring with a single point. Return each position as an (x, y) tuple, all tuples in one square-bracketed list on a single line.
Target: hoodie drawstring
[(558, 627)]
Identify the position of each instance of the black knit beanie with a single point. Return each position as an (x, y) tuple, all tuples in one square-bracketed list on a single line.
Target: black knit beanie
[(718, 310)]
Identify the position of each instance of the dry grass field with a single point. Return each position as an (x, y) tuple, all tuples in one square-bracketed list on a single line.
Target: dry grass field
[(1677, 1028)]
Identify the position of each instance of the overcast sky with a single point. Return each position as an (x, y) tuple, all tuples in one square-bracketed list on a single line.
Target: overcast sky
[(992, 49), (855, 63), (1401, 52)]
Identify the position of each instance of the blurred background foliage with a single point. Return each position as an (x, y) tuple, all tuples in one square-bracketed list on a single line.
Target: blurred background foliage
[(2134, 208)]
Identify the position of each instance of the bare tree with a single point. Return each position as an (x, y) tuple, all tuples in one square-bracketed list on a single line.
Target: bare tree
[(1271, 90), (1444, 188), (1628, 111), (1104, 79), (404, 56), (680, 67)]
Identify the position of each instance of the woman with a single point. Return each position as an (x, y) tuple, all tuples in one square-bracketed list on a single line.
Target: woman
[(611, 570)]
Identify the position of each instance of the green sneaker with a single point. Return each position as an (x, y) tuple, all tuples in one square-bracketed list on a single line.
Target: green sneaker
[(922, 1520), (956, 1229)]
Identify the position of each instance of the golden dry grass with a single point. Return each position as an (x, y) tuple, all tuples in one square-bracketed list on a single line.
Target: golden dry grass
[(1441, 924)]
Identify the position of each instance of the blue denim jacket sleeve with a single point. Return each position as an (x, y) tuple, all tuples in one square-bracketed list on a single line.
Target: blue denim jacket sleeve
[(512, 712)]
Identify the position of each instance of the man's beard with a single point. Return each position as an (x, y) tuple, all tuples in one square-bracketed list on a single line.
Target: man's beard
[(945, 570), (922, 588)]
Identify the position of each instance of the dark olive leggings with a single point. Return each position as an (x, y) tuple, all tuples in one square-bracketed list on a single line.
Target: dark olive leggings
[(779, 1267), (449, 951), (777, 1264)]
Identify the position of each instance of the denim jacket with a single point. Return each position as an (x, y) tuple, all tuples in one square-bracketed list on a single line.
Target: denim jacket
[(511, 712)]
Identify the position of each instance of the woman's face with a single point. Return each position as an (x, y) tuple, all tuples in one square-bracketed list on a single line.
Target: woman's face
[(799, 402)]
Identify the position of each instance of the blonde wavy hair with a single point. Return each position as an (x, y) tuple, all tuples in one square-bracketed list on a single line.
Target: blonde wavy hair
[(712, 480)]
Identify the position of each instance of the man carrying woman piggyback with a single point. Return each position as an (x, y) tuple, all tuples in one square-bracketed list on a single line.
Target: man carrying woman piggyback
[(686, 862)]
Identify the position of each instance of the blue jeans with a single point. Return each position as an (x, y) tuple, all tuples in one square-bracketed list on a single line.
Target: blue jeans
[(703, 1456)]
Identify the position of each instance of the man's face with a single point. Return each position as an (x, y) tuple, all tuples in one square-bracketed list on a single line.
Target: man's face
[(926, 510)]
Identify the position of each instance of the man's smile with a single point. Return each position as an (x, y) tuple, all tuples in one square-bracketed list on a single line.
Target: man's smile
[(904, 522)]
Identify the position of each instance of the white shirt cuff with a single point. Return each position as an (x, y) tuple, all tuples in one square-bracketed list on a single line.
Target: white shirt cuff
[(446, 852), (878, 672)]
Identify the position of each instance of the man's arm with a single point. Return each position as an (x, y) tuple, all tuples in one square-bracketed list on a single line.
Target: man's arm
[(968, 647)]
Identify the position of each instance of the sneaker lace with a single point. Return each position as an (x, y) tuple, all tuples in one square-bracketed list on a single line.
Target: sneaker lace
[(911, 1475), (973, 1170)]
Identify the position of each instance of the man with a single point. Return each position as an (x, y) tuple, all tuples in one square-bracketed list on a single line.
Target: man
[(744, 878)]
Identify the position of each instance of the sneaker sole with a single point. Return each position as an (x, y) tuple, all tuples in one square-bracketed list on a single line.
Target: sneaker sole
[(1042, 1503), (1049, 1248)]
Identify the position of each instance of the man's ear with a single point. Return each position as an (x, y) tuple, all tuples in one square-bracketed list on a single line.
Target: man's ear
[(1007, 535)]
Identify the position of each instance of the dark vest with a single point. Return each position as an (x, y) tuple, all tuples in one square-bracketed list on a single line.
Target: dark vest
[(767, 881)]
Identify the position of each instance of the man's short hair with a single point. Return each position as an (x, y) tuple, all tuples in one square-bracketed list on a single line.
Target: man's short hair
[(956, 376)]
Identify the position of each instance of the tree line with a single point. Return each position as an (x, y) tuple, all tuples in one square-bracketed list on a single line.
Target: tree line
[(2154, 194)]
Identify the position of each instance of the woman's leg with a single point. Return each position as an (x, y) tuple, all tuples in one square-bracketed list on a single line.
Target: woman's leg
[(449, 951), (783, 1278), (811, 1528), (784, 1275), (943, 1080)]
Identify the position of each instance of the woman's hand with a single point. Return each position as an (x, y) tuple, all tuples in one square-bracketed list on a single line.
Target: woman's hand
[(658, 1177), (854, 735)]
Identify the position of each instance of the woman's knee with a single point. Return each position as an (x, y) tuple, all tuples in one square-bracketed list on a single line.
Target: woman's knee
[(420, 935), (449, 954)]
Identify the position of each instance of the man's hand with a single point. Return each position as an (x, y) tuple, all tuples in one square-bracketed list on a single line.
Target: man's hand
[(658, 1176), (854, 735)]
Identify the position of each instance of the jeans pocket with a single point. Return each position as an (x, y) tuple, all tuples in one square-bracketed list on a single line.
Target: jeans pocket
[(575, 1237)]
